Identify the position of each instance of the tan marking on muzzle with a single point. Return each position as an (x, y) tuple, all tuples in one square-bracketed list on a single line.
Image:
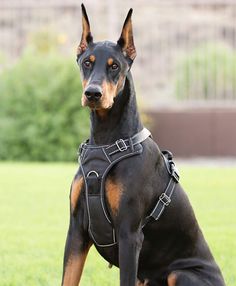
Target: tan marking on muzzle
[(84, 83), (108, 94), (83, 97), (110, 91)]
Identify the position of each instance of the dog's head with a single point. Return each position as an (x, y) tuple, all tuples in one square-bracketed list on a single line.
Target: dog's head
[(104, 65)]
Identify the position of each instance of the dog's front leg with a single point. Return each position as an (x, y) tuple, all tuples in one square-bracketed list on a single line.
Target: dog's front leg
[(76, 250), (78, 241), (130, 243)]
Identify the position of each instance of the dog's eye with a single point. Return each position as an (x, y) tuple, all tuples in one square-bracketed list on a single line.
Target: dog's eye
[(114, 67), (87, 64)]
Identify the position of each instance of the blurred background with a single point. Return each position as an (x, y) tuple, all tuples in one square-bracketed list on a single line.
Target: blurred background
[(185, 74), (185, 78)]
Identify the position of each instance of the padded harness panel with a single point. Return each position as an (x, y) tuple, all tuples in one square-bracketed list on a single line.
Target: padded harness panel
[(95, 163)]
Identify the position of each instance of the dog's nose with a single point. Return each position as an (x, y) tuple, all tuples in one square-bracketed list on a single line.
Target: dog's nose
[(93, 93)]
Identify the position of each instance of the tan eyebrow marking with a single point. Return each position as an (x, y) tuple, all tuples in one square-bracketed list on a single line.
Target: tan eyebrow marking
[(92, 58), (110, 61)]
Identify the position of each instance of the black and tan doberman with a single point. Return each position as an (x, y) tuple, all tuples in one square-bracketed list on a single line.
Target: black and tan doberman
[(125, 198)]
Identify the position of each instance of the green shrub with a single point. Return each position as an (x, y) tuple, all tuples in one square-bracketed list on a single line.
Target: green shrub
[(41, 117), (208, 72)]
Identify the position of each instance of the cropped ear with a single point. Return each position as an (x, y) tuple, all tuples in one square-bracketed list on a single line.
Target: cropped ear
[(126, 41), (86, 38)]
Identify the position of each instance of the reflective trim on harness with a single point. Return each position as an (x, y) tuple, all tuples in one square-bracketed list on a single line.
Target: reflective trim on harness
[(95, 162)]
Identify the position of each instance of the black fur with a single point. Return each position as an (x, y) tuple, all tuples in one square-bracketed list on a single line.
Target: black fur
[(175, 243)]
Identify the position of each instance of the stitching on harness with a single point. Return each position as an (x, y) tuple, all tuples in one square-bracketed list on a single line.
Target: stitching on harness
[(106, 155)]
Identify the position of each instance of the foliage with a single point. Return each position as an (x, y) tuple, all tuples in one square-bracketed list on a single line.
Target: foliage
[(35, 208), (41, 117), (207, 72)]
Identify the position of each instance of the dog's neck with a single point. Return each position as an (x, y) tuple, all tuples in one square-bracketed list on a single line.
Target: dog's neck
[(121, 121)]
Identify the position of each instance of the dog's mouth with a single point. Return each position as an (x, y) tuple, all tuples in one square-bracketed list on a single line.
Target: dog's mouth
[(95, 104)]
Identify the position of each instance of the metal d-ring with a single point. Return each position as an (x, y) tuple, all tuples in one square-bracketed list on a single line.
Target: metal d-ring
[(92, 172)]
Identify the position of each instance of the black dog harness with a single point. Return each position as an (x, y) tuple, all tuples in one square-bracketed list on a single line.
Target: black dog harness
[(95, 162)]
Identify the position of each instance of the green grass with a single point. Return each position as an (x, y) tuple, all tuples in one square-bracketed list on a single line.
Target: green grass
[(34, 201)]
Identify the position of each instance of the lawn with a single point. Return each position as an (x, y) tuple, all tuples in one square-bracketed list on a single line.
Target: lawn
[(34, 213)]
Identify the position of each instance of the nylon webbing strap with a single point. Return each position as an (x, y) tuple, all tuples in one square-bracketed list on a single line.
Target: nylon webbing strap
[(122, 145), (165, 198), (119, 148)]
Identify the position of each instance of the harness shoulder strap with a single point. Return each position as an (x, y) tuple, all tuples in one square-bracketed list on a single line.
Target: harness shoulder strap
[(141, 136)]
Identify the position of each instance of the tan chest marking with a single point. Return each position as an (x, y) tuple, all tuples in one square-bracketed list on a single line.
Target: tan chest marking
[(114, 192), (139, 283), (172, 279), (76, 188)]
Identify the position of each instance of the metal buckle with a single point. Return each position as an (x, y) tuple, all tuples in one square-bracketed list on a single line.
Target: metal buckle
[(165, 199), (174, 172), (92, 172), (121, 145), (81, 146), (168, 155)]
